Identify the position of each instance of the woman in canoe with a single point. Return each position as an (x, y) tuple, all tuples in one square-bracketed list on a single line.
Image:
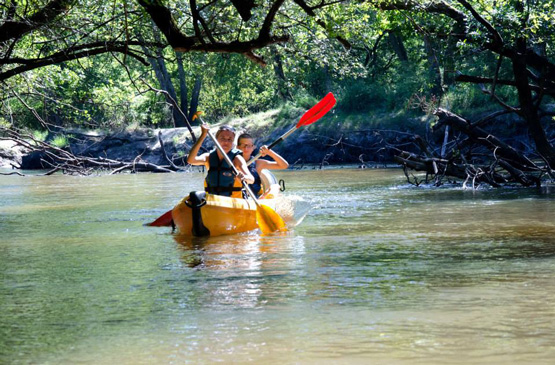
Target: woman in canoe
[(245, 143), (220, 179)]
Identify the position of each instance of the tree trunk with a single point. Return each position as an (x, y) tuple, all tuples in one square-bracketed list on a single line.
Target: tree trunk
[(434, 70), (328, 82), (282, 89), (449, 62), (167, 84), (183, 91), (528, 110), (195, 97), (396, 42), (459, 27)]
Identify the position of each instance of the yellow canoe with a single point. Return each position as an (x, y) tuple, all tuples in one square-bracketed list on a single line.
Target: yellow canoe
[(203, 214)]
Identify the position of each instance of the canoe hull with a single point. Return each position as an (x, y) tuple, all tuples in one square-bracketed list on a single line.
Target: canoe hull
[(221, 215)]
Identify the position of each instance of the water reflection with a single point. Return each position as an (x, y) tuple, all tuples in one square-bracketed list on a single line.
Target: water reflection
[(246, 270), (375, 273), (221, 252)]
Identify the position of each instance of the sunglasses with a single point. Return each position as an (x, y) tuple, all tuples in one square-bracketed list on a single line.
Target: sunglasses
[(244, 145)]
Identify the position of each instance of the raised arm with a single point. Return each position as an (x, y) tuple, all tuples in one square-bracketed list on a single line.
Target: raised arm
[(279, 162), (193, 159)]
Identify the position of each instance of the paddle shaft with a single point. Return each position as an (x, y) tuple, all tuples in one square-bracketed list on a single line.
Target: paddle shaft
[(311, 116), (228, 160), (285, 135)]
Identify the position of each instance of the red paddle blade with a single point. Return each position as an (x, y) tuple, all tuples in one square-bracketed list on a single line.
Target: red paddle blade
[(165, 220), (318, 110)]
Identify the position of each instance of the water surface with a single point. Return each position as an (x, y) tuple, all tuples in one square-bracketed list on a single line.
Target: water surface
[(378, 272)]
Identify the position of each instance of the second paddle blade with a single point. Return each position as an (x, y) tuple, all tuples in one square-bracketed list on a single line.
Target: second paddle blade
[(318, 110), (165, 220), (268, 220)]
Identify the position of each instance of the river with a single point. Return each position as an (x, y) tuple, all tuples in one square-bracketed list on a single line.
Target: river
[(378, 272)]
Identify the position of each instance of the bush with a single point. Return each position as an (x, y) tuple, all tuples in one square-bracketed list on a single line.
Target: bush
[(60, 141)]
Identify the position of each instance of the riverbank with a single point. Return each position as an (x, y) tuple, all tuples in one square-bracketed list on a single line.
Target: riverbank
[(10, 154), (333, 140)]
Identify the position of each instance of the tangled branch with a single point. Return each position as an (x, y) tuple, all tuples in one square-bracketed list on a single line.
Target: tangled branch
[(57, 159)]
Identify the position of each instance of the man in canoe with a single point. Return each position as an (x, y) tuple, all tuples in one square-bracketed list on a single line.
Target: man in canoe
[(245, 143), (220, 179)]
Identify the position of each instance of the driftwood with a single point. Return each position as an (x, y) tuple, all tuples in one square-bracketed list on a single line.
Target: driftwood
[(484, 138), (325, 160), (58, 159), (479, 157)]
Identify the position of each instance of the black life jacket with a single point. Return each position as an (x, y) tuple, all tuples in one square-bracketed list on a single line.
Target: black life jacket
[(220, 179)]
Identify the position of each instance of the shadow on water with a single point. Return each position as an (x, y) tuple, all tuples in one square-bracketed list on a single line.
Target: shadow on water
[(376, 270)]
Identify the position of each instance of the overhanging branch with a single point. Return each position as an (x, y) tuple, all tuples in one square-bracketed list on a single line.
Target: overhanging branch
[(81, 51), (15, 29), (181, 42)]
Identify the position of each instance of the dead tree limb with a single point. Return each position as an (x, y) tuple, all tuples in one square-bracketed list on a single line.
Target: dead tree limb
[(170, 161), (484, 138), (58, 159), (478, 158)]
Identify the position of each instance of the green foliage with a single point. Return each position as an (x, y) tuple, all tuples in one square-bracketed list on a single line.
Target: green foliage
[(233, 85), (40, 135), (303, 100), (469, 99), (363, 96), (60, 141), (352, 56), (290, 111)]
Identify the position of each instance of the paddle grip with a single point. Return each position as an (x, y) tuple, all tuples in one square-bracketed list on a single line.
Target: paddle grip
[(275, 142)]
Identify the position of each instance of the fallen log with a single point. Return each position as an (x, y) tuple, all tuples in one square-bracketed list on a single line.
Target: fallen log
[(479, 157), (441, 167), (58, 159), (484, 138)]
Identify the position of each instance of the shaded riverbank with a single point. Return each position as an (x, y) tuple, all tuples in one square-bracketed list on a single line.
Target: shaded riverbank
[(331, 141), (438, 153)]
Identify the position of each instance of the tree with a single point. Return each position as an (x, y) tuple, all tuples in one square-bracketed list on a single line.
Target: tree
[(178, 105), (377, 53), (216, 37), (36, 35), (512, 30)]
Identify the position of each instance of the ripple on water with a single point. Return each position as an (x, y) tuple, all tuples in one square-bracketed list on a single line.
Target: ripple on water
[(377, 272)]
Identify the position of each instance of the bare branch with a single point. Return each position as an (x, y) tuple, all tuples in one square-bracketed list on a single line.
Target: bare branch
[(181, 42), (497, 39), (72, 53)]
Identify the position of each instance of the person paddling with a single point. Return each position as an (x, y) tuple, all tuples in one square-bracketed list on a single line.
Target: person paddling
[(245, 143), (220, 179)]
